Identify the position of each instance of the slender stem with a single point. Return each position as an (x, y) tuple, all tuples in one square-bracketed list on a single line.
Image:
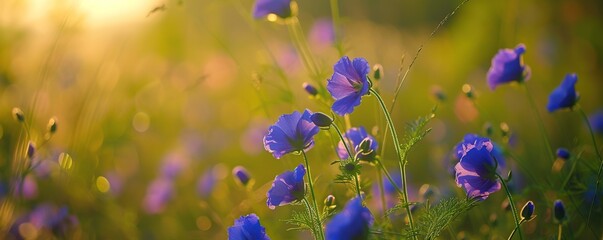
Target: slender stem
[(310, 212), (319, 221), (335, 21), (540, 124), (512, 233), (513, 208), (401, 160), (592, 135), (349, 156), (560, 230), (389, 177), (381, 191)]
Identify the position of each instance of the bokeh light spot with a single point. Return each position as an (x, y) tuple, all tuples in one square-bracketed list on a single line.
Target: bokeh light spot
[(203, 223), (65, 161), (141, 122), (103, 184)]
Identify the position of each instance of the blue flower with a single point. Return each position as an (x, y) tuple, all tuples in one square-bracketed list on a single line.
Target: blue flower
[(356, 136), (292, 132), (471, 140), (507, 66), (476, 171), (565, 95), (159, 193), (348, 84), (287, 188), (247, 228), (353, 222), (263, 8), (596, 121)]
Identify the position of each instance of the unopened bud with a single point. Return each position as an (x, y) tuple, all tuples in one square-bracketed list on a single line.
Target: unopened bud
[(468, 90), (427, 192), (31, 150), (18, 115), (563, 153), (527, 212), (330, 202), (310, 89), (505, 129), (52, 125), (241, 175), (365, 146), (322, 120), (559, 212), (377, 71), (488, 129)]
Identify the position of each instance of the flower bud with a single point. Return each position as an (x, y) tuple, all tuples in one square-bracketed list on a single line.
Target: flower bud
[(330, 202), (18, 115), (241, 175), (310, 89), (563, 153), (527, 212), (377, 71), (488, 129), (365, 146), (468, 90), (322, 120), (31, 150), (559, 212), (427, 192), (52, 126)]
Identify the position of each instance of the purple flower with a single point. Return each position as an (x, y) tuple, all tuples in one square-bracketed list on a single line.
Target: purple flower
[(471, 140), (207, 182), (348, 84), (596, 121), (292, 132), (247, 228), (356, 136), (353, 222), (565, 95), (263, 8), (476, 171), (322, 33), (287, 188), (507, 66), (158, 194), (48, 218)]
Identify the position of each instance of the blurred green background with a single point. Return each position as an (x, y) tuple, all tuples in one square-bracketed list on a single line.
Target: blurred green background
[(138, 87)]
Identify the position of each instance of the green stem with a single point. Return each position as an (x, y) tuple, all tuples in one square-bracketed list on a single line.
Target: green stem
[(592, 135), (401, 160), (540, 124), (335, 20), (319, 221), (312, 215), (513, 208), (389, 177), (560, 231), (381, 193), (349, 156)]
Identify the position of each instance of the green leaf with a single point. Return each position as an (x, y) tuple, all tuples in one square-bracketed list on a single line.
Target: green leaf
[(435, 219)]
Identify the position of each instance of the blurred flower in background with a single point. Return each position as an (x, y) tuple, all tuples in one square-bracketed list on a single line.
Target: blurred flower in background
[(45, 221), (507, 66), (355, 136), (596, 121), (565, 95), (353, 222), (159, 192), (247, 228), (263, 8)]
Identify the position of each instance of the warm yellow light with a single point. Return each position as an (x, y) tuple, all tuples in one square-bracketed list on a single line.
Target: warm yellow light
[(272, 17), (103, 184)]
